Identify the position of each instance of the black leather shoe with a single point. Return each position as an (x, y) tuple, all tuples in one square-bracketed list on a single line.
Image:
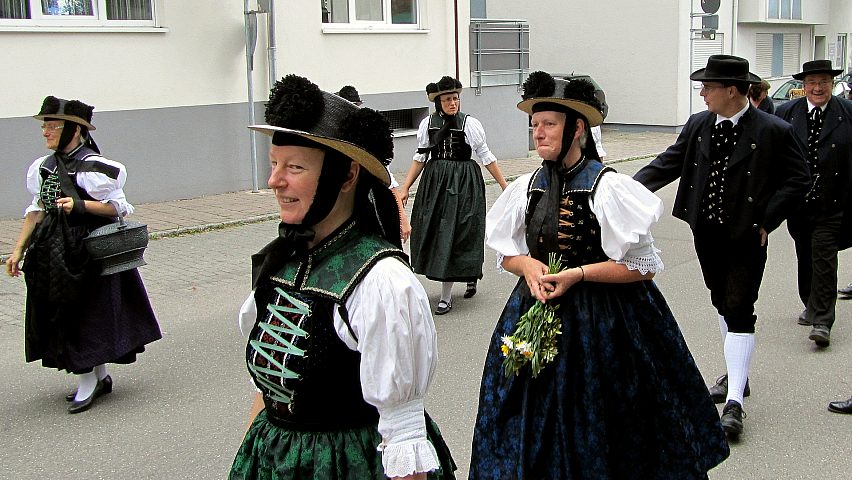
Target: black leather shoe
[(803, 318), (719, 392), (471, 290), (732, 419), (821, 335), (847, 290), (443, 307), (102, 388), (843, 406)]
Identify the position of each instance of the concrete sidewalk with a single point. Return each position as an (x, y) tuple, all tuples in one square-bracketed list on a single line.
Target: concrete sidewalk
[(217, 211)]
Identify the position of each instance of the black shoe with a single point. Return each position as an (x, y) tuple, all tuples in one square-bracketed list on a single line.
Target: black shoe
[(443, 307), (847, 291), (821, 335), (102, 388), (107, 381), (719, 392), (732, 419), (841, 406), (803, 318), (471, 290)]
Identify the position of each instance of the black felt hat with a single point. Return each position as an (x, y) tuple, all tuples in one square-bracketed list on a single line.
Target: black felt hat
[(61, 109), (725, 68), (817, 66), (578, 94), (298, 107), (445, 85)]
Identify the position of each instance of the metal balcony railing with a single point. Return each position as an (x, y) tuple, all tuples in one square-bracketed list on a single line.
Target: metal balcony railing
[(499, 52)]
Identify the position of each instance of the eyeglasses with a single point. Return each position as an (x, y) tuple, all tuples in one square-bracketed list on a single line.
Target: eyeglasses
[(707, 88), (821, 83), (51, 128)]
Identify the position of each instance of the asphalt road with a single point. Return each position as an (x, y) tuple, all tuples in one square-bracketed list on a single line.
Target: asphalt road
[(181, 410)]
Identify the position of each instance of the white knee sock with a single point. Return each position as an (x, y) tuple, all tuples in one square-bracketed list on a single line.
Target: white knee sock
[(101, 371), (738, 350), (86, 383), (723, 327), (447, 291)]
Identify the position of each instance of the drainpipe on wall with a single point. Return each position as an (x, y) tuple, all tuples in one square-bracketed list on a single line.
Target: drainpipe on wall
[(251, 43), (270, 41), (456, 22), (734, 8)]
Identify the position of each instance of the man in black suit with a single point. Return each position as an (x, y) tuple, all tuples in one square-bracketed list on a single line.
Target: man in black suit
[(741, 172), (823, 126)]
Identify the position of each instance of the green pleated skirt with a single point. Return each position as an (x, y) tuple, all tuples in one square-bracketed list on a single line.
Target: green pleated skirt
[(271, 452), (448, 221)]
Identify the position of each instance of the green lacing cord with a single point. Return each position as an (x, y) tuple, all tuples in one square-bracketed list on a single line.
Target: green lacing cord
[(276, 391)]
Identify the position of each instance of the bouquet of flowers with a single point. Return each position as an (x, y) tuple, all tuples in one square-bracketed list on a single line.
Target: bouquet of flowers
[(534, 339)]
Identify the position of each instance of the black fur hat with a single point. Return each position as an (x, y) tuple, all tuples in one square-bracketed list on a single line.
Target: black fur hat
[(445, 85), (578, 94), (298, 107), (61, 109)]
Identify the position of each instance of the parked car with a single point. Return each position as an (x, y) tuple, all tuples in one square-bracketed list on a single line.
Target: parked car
[(794, 89)]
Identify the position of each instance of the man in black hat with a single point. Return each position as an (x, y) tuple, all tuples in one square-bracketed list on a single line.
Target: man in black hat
[(823, 127), (741, 172)]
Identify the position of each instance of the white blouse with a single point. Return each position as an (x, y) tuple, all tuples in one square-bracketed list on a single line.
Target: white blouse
[(474, 135), (389, 313), (98, 185), (625, 209)]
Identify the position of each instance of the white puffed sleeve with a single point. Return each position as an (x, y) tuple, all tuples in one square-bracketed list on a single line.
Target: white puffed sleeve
[(247, 315), (393, 182), (596, 136), (103, 187), (34, 185), (475, 135), (390, 315), (626, 211), (505, 227), (422, 140)]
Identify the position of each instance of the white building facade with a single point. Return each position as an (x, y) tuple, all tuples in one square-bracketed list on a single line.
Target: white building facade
[(169, 81)]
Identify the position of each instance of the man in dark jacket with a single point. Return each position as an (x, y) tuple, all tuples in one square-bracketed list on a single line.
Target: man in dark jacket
[(741, 173), (823, 127)]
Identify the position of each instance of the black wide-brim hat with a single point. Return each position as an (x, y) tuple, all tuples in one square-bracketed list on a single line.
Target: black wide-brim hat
[(298, 107), (444, 86), (817, 66), (725, 68), (577, 94), (61, 109)]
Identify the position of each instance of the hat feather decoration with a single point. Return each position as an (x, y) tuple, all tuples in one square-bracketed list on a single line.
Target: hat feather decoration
[(539, 84), (583, 90), (295, 102), (371, 131)]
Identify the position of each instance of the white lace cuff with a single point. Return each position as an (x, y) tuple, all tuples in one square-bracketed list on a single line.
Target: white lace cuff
[(644, 263), (405, 449)]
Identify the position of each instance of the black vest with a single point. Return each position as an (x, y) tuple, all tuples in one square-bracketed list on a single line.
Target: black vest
[(309, 378), (453, 146)]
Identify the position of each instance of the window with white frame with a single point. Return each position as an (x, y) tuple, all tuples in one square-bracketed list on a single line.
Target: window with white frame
[(77, 12), (784, 9), (366, 12), (777, 54)]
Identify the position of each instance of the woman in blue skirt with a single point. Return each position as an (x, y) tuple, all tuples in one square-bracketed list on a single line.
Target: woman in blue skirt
[(622, 398)]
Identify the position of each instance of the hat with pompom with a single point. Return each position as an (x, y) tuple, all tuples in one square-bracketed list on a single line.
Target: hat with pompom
[(61, 109), (578, 94), (298, 107), (445, 85)]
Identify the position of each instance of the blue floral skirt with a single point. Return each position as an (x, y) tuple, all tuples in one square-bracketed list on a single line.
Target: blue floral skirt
[(622, 400)]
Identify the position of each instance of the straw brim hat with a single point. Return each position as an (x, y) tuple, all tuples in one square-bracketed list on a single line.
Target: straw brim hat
[(432, 96), (592, 114), (356, 153), (72, 118)]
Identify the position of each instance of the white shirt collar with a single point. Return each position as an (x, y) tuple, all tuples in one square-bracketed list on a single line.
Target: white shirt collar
[(735, 118)]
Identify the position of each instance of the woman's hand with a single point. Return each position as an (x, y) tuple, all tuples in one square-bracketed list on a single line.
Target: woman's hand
[(403, 195), (534, 272), (405, 230), (413, 476), (555, 285), (13, 263), (66, 204)]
